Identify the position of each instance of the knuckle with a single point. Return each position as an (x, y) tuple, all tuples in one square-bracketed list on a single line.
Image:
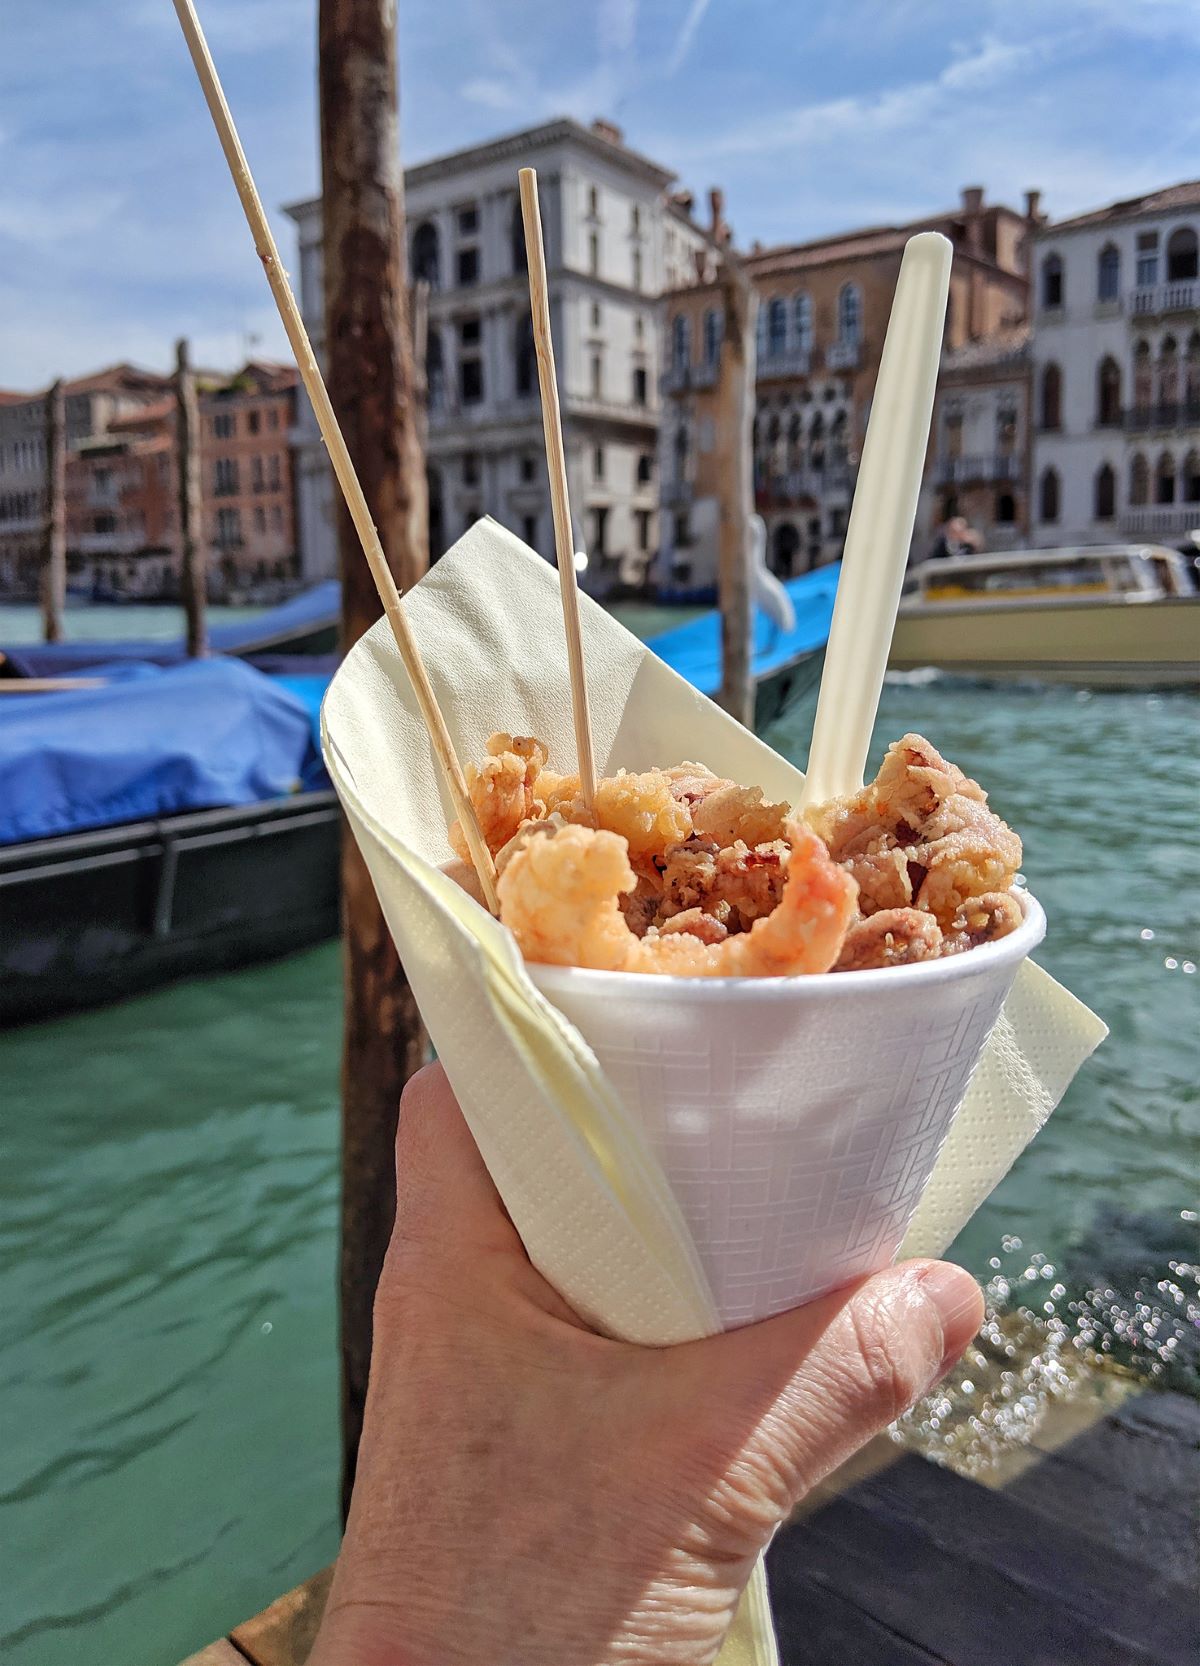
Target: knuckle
[(890, 1351)]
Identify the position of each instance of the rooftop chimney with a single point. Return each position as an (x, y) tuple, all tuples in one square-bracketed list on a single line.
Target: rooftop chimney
[(1033, 205), (972, 199), (684, 200), (608, 130), (716, 213)]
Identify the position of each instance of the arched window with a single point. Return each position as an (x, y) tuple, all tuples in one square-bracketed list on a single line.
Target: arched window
[(1108, 394), (437, 514), (681, 453), (516, 234), (849, 315), (1050, 401), (785, 543), (776, 327), (1190, 492), (795, 442), (837, 440), (1105, 496), (1139, 481), (681, 342), (1143, 377), (1108, 273), (1168, 372), (1053, 284), (802, 312), (525, 356), (816, 443), (426, 259), (1164, 479), (1006, 509), (1048, 495), (712, 336), (1183, 255), (435, 370)]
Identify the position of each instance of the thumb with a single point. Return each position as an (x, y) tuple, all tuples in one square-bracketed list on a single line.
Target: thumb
[(814, 1385)]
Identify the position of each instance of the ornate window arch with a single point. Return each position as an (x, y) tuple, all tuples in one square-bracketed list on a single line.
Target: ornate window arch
[(1054, 283), (850, 314), (1049, 495), (1108, 273), (1183, 255), (1050, 397), (802, 312), (1108, 393), (1104, 505), (1139, 480)]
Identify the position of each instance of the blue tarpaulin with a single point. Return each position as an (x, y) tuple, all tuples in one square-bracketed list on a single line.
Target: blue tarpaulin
[(694, 649), (206, 733)]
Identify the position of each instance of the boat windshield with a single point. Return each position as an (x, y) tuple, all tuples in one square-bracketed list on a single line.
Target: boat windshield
[(1071, 573)]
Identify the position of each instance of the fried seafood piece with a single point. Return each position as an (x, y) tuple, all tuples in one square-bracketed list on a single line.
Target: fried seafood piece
[(892, 937), (692, 783), (730, 813), (641, 808), (736, 885), (559, 896), (983, 920), (921, 835), (503, 791)]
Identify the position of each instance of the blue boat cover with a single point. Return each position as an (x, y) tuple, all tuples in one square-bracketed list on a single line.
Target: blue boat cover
[(694, 649), (206, 733), (313, 610)]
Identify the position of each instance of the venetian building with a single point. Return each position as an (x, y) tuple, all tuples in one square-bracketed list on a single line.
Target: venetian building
[(615, 237), (1116, 372), (823, 312)]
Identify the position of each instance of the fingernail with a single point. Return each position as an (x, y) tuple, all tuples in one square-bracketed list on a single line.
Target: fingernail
[(959, 1302)]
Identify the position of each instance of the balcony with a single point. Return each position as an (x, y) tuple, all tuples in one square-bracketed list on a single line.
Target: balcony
[(676, 378), (1174, 413), (1157, 298), (705, 375), (795, 361), (961, 471), (843, 355), (780, 491), (1163, 521)]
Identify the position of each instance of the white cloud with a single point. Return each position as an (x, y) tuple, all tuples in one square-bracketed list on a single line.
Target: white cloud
[(616, 25), (492, 92), (687, 34)]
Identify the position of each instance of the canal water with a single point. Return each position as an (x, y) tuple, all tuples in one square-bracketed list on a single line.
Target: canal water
[(168, 1383)]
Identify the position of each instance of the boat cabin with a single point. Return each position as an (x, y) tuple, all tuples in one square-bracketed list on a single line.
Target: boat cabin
[(1119, 572)]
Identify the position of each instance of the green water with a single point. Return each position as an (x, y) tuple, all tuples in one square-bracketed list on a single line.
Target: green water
[(167, 1362), (132, 621)]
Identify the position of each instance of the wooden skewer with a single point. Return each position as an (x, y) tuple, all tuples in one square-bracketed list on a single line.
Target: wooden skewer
[(556, 462), (335, 444)]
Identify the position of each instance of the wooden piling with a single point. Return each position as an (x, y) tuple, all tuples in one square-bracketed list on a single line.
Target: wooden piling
[(191, 526), (371, 385), (53, 585), (735, 419)]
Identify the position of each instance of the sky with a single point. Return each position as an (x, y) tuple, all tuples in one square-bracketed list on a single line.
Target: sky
[(119, 229)]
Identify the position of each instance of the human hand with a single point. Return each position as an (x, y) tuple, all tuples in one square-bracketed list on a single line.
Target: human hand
[(532, 1494)]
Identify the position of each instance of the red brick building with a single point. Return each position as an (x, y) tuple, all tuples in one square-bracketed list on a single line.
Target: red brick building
[(122, 484)]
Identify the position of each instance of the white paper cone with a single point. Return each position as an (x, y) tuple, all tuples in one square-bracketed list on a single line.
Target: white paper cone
[(797, 1120)]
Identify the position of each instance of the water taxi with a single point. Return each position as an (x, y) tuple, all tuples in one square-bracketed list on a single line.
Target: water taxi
[(1106, 616)]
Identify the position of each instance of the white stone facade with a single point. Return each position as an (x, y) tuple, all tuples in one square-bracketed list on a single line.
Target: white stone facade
[(1116, 373), (614, 240)]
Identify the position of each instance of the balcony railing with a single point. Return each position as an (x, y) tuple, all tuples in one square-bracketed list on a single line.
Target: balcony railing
[(678, 494), (780, 490), (843, 355), (1161, 521), (678, 377), (959, 471), (794, 361), (1172, 413), (1156, 298), (705, 375)]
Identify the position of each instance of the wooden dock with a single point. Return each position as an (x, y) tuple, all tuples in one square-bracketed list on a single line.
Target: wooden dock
[(1085, 1555)]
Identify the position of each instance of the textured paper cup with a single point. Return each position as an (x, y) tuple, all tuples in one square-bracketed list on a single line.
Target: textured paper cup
[(797, 1120)]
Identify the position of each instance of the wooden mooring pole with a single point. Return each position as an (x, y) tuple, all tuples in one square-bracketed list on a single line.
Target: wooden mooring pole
[(54, 527), (369, 371), (191, 528), (735, 420)]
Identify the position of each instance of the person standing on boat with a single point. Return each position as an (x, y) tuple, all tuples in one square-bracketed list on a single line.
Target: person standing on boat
[(531, 1494), (956, 537)]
